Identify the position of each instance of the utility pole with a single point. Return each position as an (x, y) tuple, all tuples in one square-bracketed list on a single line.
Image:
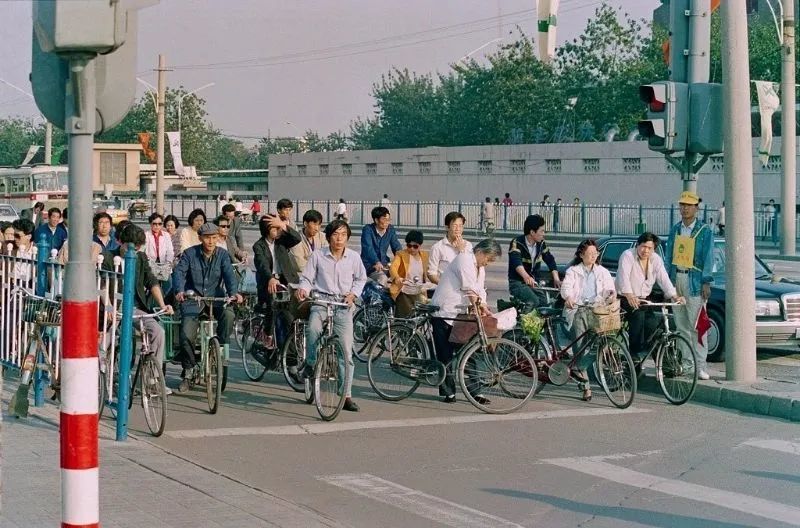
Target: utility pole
[(162, 93), (740, 335), (48, 143), (788, 133)]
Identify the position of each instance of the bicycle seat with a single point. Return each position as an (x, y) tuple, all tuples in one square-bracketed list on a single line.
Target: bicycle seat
[(546, 311), (426, 308)]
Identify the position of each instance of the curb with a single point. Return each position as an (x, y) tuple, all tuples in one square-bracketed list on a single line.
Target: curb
[(742, 397)]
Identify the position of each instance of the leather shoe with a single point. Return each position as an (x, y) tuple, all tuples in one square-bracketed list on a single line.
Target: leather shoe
[(483, 400), (350, 405), (451, 398)]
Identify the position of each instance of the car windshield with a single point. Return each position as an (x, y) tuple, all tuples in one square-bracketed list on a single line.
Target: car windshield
[(6, 210), (719, 262)]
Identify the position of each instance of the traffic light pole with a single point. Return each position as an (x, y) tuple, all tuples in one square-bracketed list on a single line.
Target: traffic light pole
[(740, 337), (788, 134), (162, 95), (80, 504)]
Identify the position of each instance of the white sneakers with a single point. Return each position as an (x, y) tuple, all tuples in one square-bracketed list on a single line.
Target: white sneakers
[(703, 375)]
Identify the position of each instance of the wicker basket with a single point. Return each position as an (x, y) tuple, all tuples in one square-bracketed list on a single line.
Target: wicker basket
[(374, 316), (606, 318), (46, 312)]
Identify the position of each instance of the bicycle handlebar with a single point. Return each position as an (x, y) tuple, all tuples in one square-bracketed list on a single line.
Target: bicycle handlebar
[(192, 296), (154, 315), (645, 302)]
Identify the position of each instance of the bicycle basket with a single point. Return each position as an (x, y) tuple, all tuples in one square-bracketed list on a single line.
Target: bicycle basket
[(281, 296), (607, 318), (374, 316), (43, 311)]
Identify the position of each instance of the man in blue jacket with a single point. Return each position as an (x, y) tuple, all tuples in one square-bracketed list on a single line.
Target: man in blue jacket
[(54, 231), (376, 239), (207, 270), (690, 263)]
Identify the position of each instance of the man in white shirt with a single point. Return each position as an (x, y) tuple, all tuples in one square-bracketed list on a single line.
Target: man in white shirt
[(444, 251), (640, 268), (341, 210)]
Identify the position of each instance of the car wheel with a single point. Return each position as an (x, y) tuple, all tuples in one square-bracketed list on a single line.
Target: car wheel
[(716, 336)]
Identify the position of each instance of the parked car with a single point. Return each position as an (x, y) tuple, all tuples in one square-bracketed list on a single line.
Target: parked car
[(110, 207), (777, 299), (8, 213)]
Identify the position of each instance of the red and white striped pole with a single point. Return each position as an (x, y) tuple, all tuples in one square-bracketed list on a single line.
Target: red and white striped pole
[(80, 486)]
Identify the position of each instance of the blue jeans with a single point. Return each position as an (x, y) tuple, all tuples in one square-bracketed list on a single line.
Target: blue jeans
[(342, 328)]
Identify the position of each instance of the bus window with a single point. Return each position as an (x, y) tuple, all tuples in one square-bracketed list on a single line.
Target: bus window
[(46, 181)]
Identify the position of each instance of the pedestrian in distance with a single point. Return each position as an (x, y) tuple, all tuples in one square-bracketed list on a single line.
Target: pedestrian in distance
[(341, 211), (385, 201), (557, 214), (721, 219), (255, 210), (507, 200), (487, 214), (690, 254)]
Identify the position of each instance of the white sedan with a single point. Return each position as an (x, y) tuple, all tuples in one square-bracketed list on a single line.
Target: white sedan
[(8, 213)]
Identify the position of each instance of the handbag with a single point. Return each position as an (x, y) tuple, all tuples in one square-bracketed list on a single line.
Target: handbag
[(466, 326)]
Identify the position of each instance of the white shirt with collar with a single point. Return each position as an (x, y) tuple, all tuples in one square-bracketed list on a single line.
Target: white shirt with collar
[(325, 274), (631, 277), (463, 273), (687, 230), (442, 254)]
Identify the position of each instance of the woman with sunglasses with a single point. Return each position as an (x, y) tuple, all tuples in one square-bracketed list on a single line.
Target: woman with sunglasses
[(23, 249), (159, 250), (410, 265)]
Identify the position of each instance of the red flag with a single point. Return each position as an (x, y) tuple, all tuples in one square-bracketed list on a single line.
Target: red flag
[(144, 139), (702, 325)]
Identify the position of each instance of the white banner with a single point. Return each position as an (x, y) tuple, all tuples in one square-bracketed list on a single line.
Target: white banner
[(175, 150), (546, 13), (32, 150), (768, 102)]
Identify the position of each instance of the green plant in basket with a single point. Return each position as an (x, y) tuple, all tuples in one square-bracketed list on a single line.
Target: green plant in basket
[(532, 325)]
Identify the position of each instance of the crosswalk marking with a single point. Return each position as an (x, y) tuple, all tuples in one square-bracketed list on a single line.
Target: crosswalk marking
[(316, 428), (427, 506), (731, 500), (793, 448)]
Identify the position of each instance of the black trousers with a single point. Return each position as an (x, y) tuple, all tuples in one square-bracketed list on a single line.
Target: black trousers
[(642, 324), (445, 350), (190, 326)]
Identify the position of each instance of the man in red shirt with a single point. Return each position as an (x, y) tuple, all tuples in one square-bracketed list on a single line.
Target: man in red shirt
[(255, 209), (507, 200)]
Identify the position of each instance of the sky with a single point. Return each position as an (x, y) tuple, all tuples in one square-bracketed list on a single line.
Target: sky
[(281, 67)]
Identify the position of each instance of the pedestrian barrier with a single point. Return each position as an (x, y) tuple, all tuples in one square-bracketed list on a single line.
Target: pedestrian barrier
[(32, 271), (569, 218)]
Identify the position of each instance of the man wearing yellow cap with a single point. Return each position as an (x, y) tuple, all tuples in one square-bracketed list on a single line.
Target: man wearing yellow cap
[(690, 259)]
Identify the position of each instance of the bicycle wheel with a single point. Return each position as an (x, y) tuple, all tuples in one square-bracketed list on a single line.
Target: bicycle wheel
[(539, 353), (675, 370), (240, 326), (154, 396), (253, 369), (361, 337), (388, 350), (615, 370), (499, 378), (290, 364), (213, 375), (330, 379)]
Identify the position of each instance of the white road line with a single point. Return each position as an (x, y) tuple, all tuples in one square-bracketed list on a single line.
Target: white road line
[(336, 427), (427, 506), (726, 499), (793, 448)]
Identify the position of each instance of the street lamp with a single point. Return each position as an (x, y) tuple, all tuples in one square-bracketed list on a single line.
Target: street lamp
[(184, 96), (476, 50), (48, 126), (152, 91)]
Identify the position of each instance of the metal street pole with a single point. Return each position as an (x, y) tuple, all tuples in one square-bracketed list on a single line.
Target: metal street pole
[(79, 365), (162, 89), (48, 143), (788, 134), (698, 68), (740, 334)]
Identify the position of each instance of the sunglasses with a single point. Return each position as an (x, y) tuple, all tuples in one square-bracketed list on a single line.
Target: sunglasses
[(413, 246), (223, 226)]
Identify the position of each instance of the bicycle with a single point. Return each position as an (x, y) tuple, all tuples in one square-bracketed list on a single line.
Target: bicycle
[(331, 369), (211, 369), (403, 356), (258, 355), (676, 373), (370, 317), (614, 368), (45, 314), (152, 386)]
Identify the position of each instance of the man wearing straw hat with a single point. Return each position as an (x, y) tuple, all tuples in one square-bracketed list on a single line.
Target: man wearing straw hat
[(690, 259)]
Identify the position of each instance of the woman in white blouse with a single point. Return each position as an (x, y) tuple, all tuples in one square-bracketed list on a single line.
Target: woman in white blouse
[(585, 284), (640, 268), (159, 250)]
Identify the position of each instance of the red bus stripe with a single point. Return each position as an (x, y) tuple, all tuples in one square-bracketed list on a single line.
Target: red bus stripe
[(79, 441), (68, 525), (79, 329)]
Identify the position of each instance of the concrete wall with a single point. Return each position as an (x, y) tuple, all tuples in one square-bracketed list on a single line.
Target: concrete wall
[(131, 151), (618, 181)]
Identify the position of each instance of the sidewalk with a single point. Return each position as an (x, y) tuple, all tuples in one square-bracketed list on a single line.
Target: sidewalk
[(140, 484), (772, 396)]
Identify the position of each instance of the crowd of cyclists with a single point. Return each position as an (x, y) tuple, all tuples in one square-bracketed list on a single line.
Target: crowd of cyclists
[(209, 257)]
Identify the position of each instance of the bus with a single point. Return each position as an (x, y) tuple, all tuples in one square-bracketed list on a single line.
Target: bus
[(23, 186)]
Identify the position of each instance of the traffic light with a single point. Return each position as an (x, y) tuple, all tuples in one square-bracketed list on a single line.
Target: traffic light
[(705, 118), (666, 126)]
